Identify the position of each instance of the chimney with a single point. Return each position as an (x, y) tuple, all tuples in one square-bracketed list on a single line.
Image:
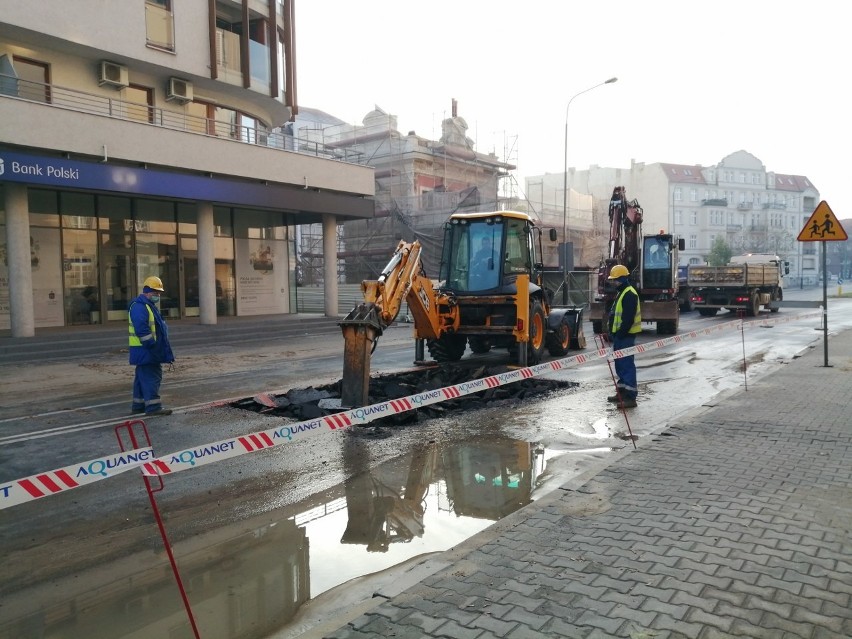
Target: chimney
[(455, 108)]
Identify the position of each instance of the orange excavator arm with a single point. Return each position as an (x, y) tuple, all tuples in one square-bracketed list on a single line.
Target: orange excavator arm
[(401, 280)]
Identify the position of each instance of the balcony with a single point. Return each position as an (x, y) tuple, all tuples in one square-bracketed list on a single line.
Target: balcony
[(745, 206), (715, 202), (81, 102), (61, 120), (779, 206)]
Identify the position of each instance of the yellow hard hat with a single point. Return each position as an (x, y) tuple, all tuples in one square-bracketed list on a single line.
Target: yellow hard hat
[(617, 271), (155, 283)]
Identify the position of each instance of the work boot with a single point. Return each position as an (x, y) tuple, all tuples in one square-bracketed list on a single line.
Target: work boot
[(627, 403), (613, 398), (159, 411)]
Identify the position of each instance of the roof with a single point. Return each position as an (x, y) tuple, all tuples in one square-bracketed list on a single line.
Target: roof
[(791, 183), (690, 173)]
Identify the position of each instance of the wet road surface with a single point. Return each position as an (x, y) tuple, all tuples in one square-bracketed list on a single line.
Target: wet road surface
[(259, 537)]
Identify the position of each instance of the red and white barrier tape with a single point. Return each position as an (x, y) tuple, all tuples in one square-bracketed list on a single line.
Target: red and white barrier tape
[(65, 479), (37, 486)]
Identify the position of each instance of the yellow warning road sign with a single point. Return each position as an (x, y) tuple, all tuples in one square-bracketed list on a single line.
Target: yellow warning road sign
[(822, 226)]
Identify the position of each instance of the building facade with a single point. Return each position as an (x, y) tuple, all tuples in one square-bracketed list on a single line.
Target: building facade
[(420, 182), (145, 138), (752, 209)]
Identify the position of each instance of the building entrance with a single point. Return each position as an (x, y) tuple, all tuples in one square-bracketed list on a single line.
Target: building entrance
[(116, 274), (188, 258)]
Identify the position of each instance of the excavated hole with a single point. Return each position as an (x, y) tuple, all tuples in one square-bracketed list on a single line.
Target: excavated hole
[(302, 404)]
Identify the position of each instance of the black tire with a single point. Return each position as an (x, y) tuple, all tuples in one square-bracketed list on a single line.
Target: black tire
[(753, 309), (708, 312), (537, 331), (448, 348), (479, 344), (779, 298), (559, 340), (688, 306), (667, 327), (534, 348)]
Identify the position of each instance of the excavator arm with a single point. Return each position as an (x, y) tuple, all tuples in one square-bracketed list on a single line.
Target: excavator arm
[(402, 279)]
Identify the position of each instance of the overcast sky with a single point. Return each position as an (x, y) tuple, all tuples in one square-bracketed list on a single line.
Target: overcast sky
[(696, 80)]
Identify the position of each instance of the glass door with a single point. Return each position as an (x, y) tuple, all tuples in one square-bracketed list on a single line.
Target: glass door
[(116, 274), (188, 256)]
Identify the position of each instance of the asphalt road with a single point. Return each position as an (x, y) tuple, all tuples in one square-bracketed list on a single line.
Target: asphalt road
[(569, 432)]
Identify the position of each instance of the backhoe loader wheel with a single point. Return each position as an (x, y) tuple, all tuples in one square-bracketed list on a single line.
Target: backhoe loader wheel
[(448, 348), (537, 330), (559, 340)]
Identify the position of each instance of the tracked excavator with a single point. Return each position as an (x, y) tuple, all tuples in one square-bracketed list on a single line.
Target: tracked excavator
[(489, 294), (653, 264)]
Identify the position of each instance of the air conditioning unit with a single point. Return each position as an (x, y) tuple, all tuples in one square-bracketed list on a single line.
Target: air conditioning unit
[(179, 90), (112, 74)]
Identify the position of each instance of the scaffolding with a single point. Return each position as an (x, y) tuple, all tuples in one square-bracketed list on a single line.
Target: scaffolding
[(419, 184)]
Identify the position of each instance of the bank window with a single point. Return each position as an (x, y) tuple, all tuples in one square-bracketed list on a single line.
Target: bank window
[(155, 216), (44, 207), (187, 214), (223, 225), (78, 210), (114, 213), (259, 224), (159, 24)]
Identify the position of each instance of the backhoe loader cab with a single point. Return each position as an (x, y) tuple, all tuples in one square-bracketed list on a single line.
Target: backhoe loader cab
[(486, 252)]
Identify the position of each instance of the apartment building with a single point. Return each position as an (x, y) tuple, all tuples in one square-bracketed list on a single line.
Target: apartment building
[(753, 209), (145, 137)]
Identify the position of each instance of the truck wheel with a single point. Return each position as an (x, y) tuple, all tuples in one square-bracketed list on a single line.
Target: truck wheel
[(753, 309), (708, 312), (448, 348), (688, 305), (559, 340), (479, 344), (779, 298), (666, 327)]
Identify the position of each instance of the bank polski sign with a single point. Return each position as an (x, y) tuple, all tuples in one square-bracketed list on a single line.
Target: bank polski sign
[(101, 176)]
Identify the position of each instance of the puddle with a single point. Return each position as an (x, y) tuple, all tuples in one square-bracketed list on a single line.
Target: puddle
[(248, 579)]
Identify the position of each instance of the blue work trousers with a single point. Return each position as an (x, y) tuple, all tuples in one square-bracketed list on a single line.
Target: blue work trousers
[(146, 388), (625, 368)]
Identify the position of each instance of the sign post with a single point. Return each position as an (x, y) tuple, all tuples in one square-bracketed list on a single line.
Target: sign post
[(823, 226)]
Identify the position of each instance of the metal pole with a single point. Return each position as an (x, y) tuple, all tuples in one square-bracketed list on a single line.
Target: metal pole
[(565, 194), (824, 305)]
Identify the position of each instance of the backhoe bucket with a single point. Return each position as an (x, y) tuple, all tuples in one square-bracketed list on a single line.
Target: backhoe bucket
[(361, 328)]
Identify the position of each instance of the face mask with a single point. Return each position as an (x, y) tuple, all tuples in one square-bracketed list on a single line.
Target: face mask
[(155, 299)]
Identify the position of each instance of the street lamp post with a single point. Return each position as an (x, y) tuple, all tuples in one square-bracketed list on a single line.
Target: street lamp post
[(565, 194)]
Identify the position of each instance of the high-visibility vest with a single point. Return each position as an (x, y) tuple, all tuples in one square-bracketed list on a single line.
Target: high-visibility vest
[(133, 339), (616, 316)]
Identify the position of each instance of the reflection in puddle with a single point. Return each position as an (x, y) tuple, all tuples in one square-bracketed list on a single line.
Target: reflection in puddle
[(249, 578)]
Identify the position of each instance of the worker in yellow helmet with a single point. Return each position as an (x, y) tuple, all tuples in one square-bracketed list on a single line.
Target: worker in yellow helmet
[(625, 323), (149, 348)]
